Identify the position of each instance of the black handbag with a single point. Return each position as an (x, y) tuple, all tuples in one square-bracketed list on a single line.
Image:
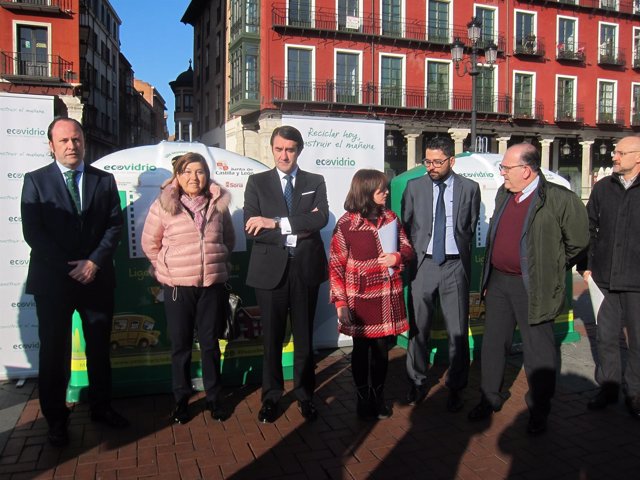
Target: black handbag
[(232, 307)]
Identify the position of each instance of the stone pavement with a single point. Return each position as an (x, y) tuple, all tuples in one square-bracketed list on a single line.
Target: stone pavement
[(423, 442)]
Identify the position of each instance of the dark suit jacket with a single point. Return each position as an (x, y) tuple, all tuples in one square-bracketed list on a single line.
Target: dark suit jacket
[(57, 235), (417, 214), (263, 197)]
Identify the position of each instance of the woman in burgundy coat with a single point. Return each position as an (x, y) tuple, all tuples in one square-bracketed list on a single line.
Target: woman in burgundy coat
[(368, 252)]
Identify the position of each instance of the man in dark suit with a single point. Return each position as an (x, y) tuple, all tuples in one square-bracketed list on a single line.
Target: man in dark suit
[(284, 210), (442, 237), (72, 221)]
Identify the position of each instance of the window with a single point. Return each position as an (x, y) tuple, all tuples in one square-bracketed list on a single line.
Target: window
[(438, 21), (487, 16), (636, 47), (178, 102), (635, 104), (485, 88), (252, 16), (567, 37), (348, 15), (392, 17), (606, 101), (525, 41), (391, 80), (609, 5), (252, 82), (347, 77), (523, 95), (438, 88), (188, 103), (33, 51), (299, 73), (300, 13), (608, 40), (566, 99)]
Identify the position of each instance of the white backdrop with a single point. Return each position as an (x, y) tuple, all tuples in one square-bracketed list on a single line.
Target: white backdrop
[(23, 147), (336, 149)]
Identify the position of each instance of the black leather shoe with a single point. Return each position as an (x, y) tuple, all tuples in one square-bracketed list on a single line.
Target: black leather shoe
[(308, 410), (537, 424), (268, 413), (416, 394), (181, 413), (58, 435), (455, 401), (110, 417), (481, 411), (633, 406), (218, 412), (606, 396)]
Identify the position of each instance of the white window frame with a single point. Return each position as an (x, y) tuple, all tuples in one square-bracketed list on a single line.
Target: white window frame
[(17, 23), (637, 107), (496, 19), (635, 48), (449, 19), (403, 16), (617, 38), (288, 46), (615, 96), (404, 74), (335, 69), (360, 13), (533, 90), (574, 100), (313, 13), (516, 11), (576, 32), (426, 78)]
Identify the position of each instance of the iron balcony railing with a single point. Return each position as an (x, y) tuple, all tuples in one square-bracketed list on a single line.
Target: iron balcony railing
[(610, 55), (529, 45), (611, 116), (618, 6), (399, 28), (62, 5), (569, 113), (375, 95), (35, 65), (524, 109), (572, 51)]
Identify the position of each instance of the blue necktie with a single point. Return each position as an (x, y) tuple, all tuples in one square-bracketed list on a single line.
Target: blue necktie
[(72, 186), (288, 192), (439, 228)]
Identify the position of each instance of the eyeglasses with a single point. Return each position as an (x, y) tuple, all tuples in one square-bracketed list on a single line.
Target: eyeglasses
[(435, 163), (622, 154), (506, 168)]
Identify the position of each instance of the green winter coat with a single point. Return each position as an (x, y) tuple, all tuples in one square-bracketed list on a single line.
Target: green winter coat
[(555, 233)]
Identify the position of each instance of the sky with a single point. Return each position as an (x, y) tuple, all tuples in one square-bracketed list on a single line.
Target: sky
[(156, 43)]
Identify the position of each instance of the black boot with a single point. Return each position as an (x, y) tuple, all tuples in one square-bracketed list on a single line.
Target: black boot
[(181, 413), (364, 407), (381, 409)]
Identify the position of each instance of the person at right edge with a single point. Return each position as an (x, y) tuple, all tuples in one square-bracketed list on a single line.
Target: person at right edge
[(614, 223), (537, 232)]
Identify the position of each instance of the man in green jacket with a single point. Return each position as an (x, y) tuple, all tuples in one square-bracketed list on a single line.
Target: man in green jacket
[(536, 233)]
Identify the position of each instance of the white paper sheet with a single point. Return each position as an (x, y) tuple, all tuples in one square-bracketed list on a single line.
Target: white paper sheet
[(596, 296), (389, 239)]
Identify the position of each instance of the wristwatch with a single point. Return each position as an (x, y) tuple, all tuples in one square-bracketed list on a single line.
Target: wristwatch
[(277, 220)]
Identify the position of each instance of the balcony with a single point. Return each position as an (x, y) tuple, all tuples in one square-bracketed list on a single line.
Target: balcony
[(609, 55), (529, 45), (30, 68), (610, 117), (569, 52), (326, 21), (569, 113), (328, 94), (629, 7), (41, 6), (523, 110)]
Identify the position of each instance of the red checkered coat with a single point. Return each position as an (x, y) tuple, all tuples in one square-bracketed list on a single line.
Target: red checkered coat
[(375, 298)]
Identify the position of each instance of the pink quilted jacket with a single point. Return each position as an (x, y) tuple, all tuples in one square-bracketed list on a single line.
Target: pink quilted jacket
[(179, 253)]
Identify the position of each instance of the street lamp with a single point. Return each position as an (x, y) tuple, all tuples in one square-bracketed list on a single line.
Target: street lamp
[(470, 66)]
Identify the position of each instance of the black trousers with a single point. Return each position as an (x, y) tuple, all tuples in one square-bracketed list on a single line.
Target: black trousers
[(506, 307), (187, 308), (369, 361), (54, 329), (298, 301)]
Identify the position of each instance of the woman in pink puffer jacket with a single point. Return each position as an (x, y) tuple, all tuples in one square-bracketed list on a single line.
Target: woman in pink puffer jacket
[(188, 237)]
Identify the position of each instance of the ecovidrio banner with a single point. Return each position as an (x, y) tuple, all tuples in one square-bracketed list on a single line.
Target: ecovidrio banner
[(23, 147)]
